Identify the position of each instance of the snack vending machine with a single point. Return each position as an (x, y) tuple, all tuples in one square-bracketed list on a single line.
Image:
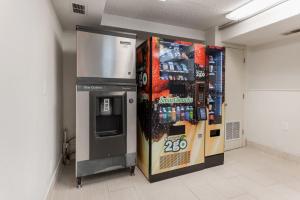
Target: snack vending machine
[(214, 136), (172, 110)]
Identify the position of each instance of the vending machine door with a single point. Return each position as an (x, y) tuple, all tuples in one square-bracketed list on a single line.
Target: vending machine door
[(177, 137), (214, 138)]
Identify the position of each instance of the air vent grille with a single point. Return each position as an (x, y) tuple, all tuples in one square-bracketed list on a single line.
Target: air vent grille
[(233, 130), (175, 159), (78, 8)]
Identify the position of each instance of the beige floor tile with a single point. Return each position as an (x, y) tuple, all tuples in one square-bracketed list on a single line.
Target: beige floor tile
[(244, 197), (172, 189), (226, 170), (285, 192), (199, 178), (123, 194), (119, 181), (294, 184), (248, 174), (261, 178), (207, 192), (247, 185), (228, 188)]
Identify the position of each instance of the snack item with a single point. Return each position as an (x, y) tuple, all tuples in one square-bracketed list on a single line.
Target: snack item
[(171, 66), (182, 113), (178, 113), (165, 66), (184, 67)]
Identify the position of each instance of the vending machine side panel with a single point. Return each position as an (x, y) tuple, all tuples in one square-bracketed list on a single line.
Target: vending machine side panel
[(144, 106)]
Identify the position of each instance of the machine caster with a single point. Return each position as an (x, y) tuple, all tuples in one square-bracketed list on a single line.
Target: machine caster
[(78, 182), (132, 168)]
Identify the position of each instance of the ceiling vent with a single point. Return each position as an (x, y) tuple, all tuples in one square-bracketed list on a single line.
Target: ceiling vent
[(292, 32), (79, 8)]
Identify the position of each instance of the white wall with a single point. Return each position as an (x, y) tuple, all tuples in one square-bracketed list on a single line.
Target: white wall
[(273, 97), (69, 84), (153, 27), (30, 109)]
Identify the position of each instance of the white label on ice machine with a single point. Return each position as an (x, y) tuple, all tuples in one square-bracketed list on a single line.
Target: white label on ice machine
[(106, 105)]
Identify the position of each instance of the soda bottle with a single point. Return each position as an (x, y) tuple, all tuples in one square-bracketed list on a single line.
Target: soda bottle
[(165, 115), (178, 113), (191, 112), (173, 114), (169, 114), (161, 118), (182, 113), (187, 113)]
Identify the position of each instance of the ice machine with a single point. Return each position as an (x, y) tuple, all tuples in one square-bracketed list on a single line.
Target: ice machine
[(105, 102)]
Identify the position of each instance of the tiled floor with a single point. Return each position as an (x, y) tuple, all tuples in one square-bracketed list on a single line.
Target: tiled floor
[(247, 174)]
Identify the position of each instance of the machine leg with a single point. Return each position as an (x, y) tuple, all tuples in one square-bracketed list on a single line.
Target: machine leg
[(78, 182), (132, 168)]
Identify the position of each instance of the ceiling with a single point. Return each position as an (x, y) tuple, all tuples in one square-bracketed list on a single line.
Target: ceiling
[(270, 33), (196, 14)]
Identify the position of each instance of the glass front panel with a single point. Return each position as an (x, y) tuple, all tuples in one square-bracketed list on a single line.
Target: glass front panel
[(176, 134), (215, 87), (176, 60), (109, 116)]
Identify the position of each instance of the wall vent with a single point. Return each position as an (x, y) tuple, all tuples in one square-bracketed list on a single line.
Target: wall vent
[(292, 32), (233, 130), (79, 8)]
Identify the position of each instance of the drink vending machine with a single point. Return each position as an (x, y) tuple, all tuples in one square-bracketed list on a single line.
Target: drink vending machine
[(172, 107), (215, 83)]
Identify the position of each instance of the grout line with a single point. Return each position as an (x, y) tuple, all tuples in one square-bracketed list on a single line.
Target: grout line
[(136, 191), (193, 193)]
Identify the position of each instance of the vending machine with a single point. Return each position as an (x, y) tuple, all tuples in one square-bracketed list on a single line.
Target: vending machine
[(172, 107), (215, 96)]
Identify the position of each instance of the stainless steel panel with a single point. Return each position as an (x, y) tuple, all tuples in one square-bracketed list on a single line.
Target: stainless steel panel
[(82, 125), (90, 167), (130, 159), (131, 122), (105, 56)]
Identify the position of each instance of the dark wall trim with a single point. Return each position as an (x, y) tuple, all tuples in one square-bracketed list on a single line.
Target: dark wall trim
[(177, 172)]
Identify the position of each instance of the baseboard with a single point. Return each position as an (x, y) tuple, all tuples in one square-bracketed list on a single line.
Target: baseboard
[(214, 160), (176, 172), (274, 152), (54, 177)]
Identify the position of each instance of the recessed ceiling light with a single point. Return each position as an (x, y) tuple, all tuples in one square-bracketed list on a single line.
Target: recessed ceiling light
[(163, 0), (252, 8)]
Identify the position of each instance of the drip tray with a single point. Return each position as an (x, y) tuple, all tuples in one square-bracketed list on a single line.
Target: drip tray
[(107, 133)]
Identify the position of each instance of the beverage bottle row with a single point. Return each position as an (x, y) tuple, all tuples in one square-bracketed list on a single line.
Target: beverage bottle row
[(175, 113), (173, 77)]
